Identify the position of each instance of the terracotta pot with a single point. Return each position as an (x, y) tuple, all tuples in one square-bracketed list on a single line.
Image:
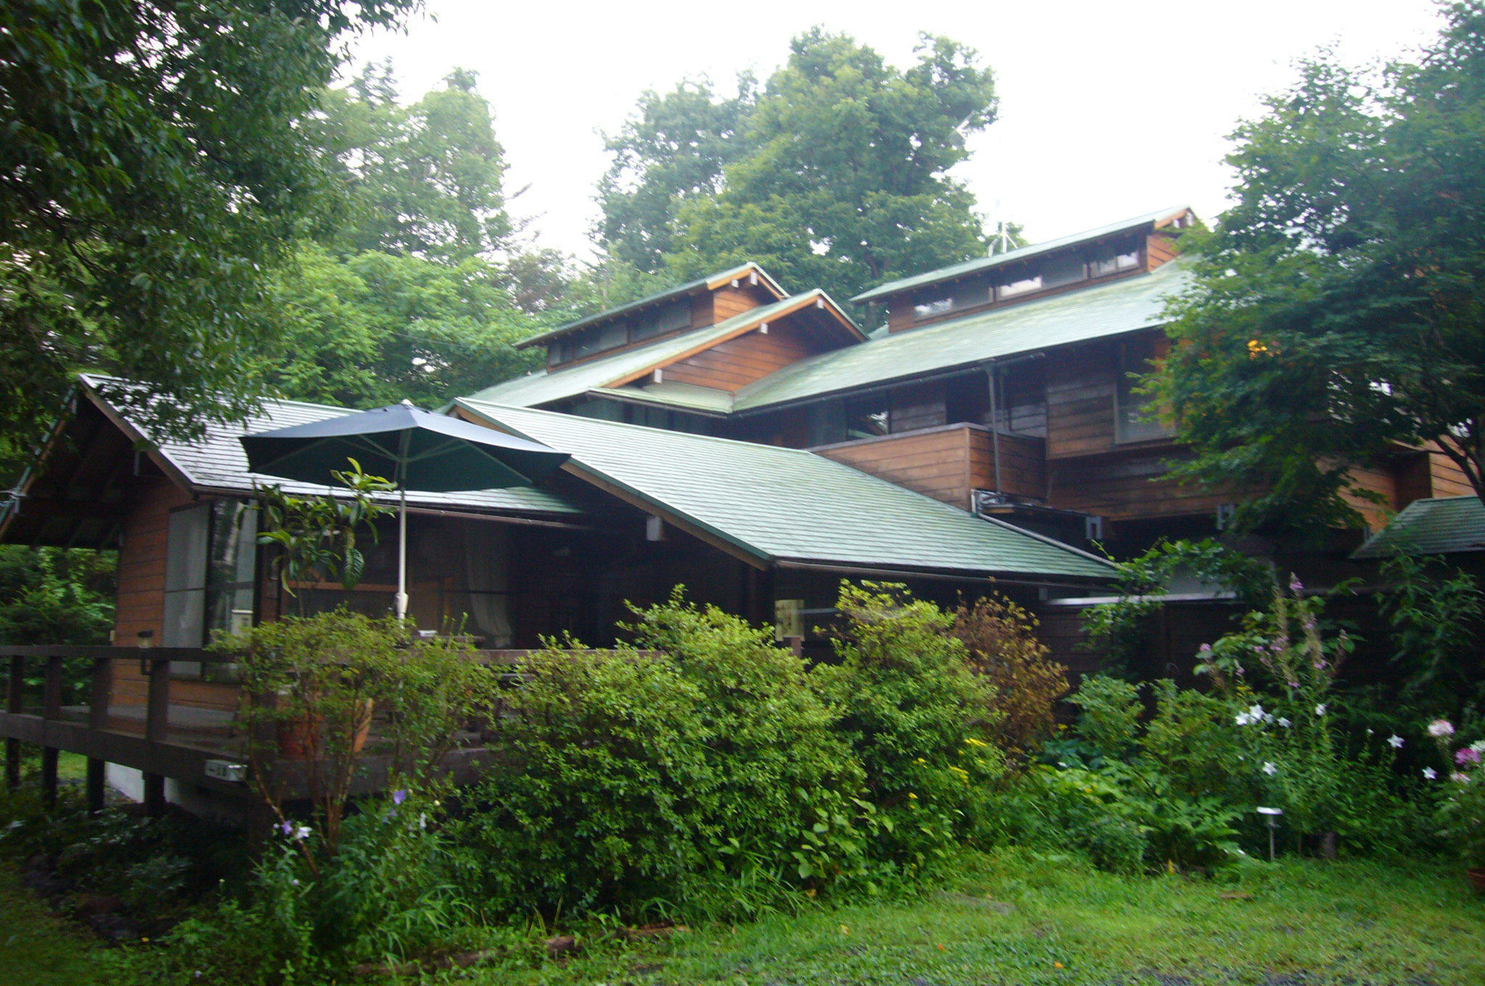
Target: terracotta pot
[(1477, 879), (299, 739)]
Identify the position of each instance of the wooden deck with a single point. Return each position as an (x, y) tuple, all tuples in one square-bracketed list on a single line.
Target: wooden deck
[(160, 738)]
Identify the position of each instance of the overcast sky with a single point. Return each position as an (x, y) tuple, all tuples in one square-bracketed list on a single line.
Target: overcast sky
[(1107, 110)]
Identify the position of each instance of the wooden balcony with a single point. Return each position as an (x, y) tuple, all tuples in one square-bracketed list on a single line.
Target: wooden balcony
[(159, 737), (950, 462)]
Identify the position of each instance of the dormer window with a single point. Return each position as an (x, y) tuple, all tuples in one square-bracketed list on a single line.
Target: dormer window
[(934, 306), (1114, 263), (945, 299), (1025, 285), (600, 339)]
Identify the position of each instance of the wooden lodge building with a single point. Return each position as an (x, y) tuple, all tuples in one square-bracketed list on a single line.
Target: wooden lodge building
[(754, 445)]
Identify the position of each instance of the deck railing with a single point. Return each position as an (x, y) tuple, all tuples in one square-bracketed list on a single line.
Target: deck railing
[(161, 751)]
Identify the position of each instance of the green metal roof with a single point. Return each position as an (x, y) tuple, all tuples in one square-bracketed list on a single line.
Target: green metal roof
[(652, 299), (1438, 526), (1096, 311), (547, 386), (217, 462), (788, 505), (1021, 253), (681, 396)]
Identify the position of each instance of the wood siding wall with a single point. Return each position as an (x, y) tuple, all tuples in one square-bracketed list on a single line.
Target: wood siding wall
[(141, 600), (1080, 400), (947, 463), (1132, 485), (738, 362), (726, 302), (1160, 248), (1446, 478)]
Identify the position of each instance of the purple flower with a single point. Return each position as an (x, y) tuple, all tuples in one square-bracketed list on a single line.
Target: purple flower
[(1466, 755), (287, 828), (1295, 585), (398, 797)]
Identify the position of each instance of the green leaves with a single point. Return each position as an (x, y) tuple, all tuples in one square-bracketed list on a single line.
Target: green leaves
[(834, 175), (1337, 311), (151, 165), (316, 536)]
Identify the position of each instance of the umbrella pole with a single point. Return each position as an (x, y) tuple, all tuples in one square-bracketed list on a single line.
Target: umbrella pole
[(402, 553)]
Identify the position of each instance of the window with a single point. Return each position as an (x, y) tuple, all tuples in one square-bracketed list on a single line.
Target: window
[(210, 574), (1115, 258), (1134, 412), (933, 306), (1014, 289), (1066, 269), (866, 417)]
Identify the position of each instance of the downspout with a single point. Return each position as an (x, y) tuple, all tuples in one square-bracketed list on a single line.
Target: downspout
[(990, 371)]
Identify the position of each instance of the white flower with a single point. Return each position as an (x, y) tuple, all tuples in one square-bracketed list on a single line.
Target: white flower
[(1270, 768), (1429, 773), (302, 832), (1243, 719), (1440, 728), (1459, 778), (1284, 722), (1478, 746), (1395, 741), (1255, 712), (1320, 709)]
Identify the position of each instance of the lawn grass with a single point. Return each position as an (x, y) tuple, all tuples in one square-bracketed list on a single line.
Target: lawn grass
[(39, 949), (1015, 917)]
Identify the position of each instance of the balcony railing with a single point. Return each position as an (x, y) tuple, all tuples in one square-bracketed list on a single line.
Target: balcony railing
[(159, 738)]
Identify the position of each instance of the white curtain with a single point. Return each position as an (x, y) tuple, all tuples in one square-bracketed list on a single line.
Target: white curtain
[(486, 564)]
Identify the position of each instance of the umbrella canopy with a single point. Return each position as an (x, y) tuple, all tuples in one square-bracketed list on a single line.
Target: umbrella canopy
[(417, 449)]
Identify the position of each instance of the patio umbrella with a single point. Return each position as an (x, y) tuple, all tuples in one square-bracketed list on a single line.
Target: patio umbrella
[(416, 449)]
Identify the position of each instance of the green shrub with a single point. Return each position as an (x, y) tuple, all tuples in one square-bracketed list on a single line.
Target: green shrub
[(918, 717), (386, 897), (693, 771), (324, 677)]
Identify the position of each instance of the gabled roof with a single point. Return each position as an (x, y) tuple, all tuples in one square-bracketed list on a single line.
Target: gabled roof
[(1096, 311), (1153, 219), (771, 505), (711, 282), (217, 463), (608, 371), (1438, 526)]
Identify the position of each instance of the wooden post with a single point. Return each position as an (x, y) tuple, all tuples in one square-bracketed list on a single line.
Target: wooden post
[(156, 723), (98, 719), (51, 708), (13, 693)]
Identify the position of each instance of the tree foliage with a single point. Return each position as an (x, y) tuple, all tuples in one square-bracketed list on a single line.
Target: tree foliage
[(152, 161), (375, 327), (1337, 311), (835, 174), (424, 179)]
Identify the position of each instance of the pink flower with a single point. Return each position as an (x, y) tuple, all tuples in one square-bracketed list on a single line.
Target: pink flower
[(1466, 755)]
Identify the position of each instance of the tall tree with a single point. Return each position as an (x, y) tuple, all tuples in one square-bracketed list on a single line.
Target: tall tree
[(424, 179), (836, 175), (1339, 309), (673, 149), (152, 161), (375, 327)]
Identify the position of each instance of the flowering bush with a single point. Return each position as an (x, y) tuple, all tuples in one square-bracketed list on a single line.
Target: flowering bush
[(1279, 671), (1461, 813)]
